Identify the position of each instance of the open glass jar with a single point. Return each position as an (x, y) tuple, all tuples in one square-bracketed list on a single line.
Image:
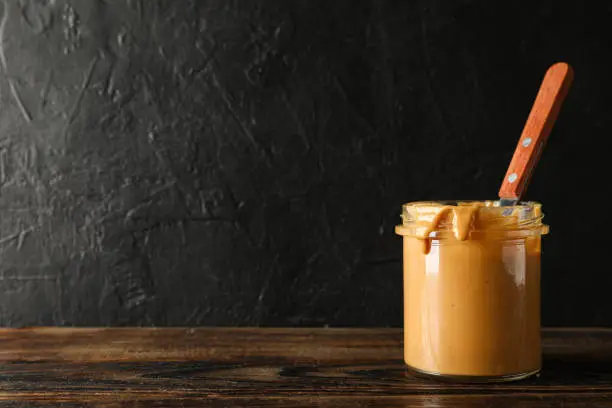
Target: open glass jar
[(472, 289)]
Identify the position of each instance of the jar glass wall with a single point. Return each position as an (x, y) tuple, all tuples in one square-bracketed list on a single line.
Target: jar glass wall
[(472, 289)]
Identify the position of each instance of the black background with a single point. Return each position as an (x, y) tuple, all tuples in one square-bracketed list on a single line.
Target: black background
[(244, 162)]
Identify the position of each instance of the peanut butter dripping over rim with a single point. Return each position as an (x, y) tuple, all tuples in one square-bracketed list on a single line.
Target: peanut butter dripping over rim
[(461, 216), (424, 220)]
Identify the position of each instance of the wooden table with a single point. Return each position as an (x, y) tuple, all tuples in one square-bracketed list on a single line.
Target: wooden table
[(274, 367)]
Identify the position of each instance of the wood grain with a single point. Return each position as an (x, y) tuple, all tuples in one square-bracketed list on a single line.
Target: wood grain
[(544, 113), (274, 367)]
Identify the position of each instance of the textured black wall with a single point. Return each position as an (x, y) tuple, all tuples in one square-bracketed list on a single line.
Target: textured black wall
[(244, 162)]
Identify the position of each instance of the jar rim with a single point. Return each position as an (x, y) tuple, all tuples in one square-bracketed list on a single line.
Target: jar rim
[(422, 218), (487, 203)]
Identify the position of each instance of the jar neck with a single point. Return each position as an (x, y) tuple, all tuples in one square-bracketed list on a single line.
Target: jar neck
[(471, 218)]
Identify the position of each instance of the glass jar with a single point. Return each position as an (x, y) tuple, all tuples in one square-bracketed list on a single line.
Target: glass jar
[(472, 289)]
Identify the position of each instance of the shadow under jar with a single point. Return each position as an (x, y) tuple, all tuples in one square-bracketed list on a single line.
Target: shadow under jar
[(472, 289)]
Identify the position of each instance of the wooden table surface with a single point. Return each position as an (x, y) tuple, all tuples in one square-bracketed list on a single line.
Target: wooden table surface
[(274, 367)]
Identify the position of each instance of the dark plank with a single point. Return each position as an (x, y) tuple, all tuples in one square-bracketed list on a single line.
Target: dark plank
[(274, 367)]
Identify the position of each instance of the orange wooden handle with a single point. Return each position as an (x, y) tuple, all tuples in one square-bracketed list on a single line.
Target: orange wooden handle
[(541, 119)]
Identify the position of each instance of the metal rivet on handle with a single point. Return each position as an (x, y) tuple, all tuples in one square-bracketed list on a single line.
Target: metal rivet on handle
[(526, 142), (512, 178)]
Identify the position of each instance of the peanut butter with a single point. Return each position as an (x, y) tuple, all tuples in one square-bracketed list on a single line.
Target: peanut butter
[(472, 288)]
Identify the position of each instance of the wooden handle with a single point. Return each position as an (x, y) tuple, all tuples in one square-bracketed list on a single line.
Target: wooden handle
[(541, 119)]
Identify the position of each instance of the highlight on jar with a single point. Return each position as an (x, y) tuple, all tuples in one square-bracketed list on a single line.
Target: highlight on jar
[(472, 268)]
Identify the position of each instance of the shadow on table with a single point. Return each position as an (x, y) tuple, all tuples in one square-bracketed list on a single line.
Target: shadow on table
[(586, 368)]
